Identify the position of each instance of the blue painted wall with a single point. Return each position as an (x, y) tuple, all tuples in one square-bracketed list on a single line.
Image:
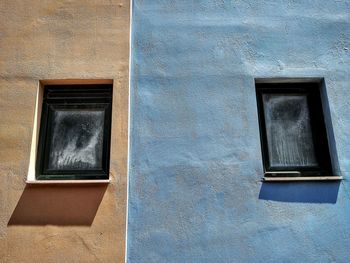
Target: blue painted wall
[(195, 190)]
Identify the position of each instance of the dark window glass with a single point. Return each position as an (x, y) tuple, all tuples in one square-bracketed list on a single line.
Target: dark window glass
[(75, 132), (77, 140), (288, 130), (292, 129)]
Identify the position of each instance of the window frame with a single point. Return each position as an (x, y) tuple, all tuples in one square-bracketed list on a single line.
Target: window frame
[(312, 91), (75, 96)]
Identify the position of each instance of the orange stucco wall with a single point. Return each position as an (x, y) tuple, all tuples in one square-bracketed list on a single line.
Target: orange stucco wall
[(60, 40)]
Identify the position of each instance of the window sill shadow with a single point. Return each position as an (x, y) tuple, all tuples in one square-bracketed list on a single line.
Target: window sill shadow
[(61, 205), (300, 192)]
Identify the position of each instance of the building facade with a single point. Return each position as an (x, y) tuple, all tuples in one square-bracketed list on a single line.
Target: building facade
[(190, 177)]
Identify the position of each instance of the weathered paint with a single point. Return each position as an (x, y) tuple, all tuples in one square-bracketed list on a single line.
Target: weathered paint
[(195, 192), (60, 39)]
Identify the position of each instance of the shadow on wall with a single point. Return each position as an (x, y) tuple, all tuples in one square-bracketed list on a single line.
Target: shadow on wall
[(302, 192), (58, 205)]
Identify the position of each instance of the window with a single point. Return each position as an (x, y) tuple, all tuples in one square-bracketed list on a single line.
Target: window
[(75, 129), (292, 129)]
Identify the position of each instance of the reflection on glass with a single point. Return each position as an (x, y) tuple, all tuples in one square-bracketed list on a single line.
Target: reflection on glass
[(77, 140), (288, 130)]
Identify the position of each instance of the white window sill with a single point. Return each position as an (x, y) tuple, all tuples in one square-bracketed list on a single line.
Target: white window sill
[(301, 178), (104, 181)]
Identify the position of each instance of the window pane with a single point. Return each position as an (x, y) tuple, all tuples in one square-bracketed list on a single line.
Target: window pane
[(77, 139), (288, 130)]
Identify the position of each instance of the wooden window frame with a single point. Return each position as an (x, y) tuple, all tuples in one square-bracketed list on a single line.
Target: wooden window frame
[(79, 96), (320, 140)]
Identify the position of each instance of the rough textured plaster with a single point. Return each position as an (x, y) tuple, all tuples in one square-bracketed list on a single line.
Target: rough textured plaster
[(60, 40), (195, 189)]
